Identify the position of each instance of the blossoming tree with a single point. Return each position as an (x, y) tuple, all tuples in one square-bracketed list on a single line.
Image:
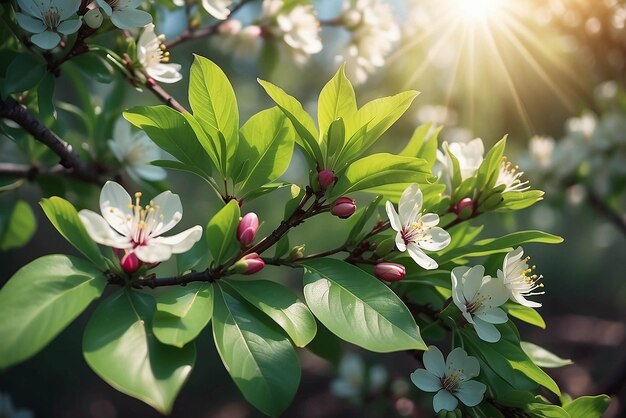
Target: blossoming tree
[(413, 272)]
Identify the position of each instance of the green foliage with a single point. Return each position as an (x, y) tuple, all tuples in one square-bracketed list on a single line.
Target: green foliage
[(587, 406), (65, 219), (542, 357), (182, 313), (348, 300), (40, 300), (23, 73), (17, 224), (119, 346), (220, 232), (256, 353)]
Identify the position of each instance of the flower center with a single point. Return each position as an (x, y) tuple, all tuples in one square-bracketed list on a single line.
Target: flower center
[(114, 4), (475, 305), (51, 18), (510, 177), (145, 220), (521, 278), (451, 381), (413, 232)]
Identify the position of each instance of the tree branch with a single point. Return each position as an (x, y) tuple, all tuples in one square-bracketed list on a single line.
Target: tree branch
[(12, 110), (164, 96), (605, 210)]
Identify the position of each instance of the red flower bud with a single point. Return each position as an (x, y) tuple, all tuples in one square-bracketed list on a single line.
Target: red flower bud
[(390, 272), (249, 264), (130, 263), (343, 207), (246, 230), (465, 208), (326, 178)]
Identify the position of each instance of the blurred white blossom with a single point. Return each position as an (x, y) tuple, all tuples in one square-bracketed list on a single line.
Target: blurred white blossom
[(355, 379), (217, 8), (374, 31), (541, 149)]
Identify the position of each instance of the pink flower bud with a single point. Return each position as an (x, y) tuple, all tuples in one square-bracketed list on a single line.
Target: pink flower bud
[(326, 178), (246, 230), (249, 264), (130, 263), (343, 207), (465, 208), (390, 272)]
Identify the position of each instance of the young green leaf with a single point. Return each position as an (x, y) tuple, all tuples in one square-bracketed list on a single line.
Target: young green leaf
[(358, 307), (119, 346), (65, 219), (23, 73), (524, 313), (258, 356), (214, 105), (220, 232), (379, 170), (542, 357), (267, 141), (280, 304), (487, 174), (588, 406), (423, 143), (17, 224), (335, 139), (182, 313), (302, 122), (337, 100), (40, 300)]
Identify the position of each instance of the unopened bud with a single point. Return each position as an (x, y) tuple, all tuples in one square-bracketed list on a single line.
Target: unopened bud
[(130, 263), (326, 178), (296, 253), (390, 272), (465, 208), (230, 27), (249, 264), (246, 230), (93, 18), (343, 207)]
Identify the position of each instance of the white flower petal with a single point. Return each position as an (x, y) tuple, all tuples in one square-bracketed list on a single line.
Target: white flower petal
[(410, 204), (486, 331), (116, 207), (170, 212), (217, 8), (101, 232), (46, 40), (430, 219), (517, 297), (497, 291), (67, 8), (471, 281), (459, 362), (444, 400), (425, 380), (182, 241), (394, 220), (493, 316), (30, 7), (400, 243), (30, 24), (436, 239), (165, 73), (149, 172), (471, 393), (130, 18), (70, 26), (457, 286), (105, 6), (420, 257), (433, 361), (153, 252)]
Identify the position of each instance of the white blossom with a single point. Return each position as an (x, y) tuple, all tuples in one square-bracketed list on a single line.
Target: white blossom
[(129, 226), (124, 13), (469, 156), (518, 278), (135, 152), (416, 232), (46, 19), (152, 56), (450, 379), (374, 31), (479, 298), (541, 149), (217, 8), (354, 378), (510, 177)]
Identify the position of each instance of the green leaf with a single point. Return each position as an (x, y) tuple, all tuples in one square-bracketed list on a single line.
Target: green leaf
[(45, 93), (220, 231), (198, 255), (266, 143), (542, 357), (40, 300), (588, 406), (377, 116), (182, 313), (172, 132), (95, 67), (256, 354), (500, 245), (23, 73), (507, 360), (280, 304), (423, 143), (358, 307), (334, 140), (326, 345), (524, 313), (302, 122), (540, 410), (379, 170), (487, 173), (519, 200), (17, 224), (214, 106), (119, 346), (65, 219), (337, 100), (358, 221)]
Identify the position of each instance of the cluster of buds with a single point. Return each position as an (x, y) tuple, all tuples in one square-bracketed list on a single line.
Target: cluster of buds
[(343, 207)]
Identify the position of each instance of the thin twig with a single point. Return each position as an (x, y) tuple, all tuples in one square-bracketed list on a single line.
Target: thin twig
[(164, 96), (10, 109)]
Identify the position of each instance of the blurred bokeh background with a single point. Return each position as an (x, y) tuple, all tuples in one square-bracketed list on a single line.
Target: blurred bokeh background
[(553, 68)]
